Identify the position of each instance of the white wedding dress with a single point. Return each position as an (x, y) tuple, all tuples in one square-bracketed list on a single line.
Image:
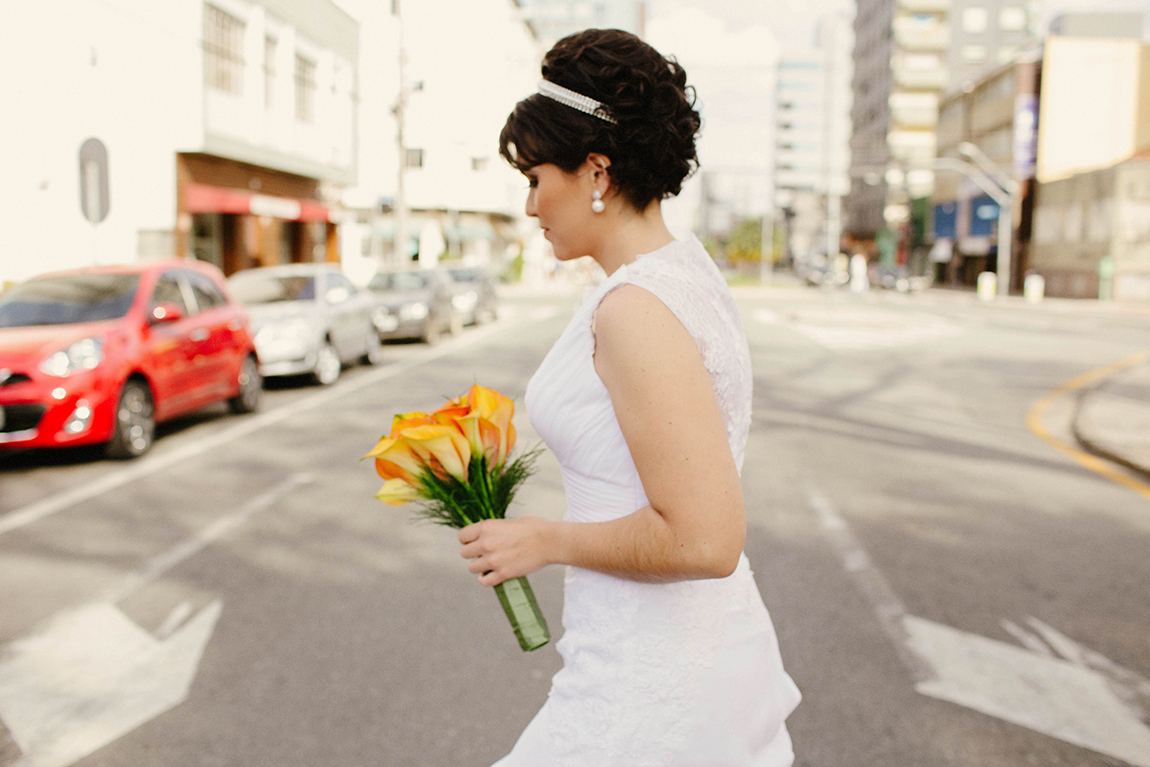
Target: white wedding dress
[(684, 674)]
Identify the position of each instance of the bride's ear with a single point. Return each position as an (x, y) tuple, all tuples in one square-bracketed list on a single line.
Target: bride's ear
[(597, 165)]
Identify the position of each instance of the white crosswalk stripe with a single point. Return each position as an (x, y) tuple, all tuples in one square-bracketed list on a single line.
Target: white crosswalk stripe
[(862, 328)]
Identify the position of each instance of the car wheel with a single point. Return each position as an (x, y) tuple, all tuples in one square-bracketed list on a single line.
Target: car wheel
[(327, 365), (251, 387), (456, 324), (134, 427), (374, 355)]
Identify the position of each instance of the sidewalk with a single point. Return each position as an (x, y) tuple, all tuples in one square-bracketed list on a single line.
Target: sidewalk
[(1112, 418)]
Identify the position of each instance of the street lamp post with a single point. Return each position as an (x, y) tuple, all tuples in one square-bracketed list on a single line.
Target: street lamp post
[(1000, 195), (1009, 188)]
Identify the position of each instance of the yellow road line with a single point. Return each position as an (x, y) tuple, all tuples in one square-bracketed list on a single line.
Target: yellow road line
[(1094, 463)]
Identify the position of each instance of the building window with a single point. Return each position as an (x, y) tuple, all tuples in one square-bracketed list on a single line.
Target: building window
[(1012, 19), (269, 71), (973, 54), (479, 163), (413, 158), (304, 89), (1006, 54), (975, 20), (223, 51)]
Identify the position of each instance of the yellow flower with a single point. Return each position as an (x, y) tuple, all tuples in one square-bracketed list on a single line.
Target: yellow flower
[(396, 492)]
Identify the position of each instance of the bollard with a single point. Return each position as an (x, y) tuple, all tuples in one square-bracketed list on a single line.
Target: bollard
[(1033, 288), (987, 285), (1106, 278)]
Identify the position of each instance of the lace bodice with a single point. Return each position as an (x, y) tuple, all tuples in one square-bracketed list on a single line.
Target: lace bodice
[(682, 276), (640, 657)]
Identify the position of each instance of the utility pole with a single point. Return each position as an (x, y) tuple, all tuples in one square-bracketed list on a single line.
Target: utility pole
[(834, 202), (767, 239), (399, 250)]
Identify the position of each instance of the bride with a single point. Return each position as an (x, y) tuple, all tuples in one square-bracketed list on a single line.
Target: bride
[(670, 658)]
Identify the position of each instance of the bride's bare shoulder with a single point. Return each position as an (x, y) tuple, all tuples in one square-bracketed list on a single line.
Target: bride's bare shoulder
[(634, 328)]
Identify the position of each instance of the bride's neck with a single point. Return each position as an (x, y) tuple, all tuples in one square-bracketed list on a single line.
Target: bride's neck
[(632, 234)]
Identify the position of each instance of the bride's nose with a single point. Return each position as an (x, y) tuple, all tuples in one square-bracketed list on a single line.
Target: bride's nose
[(530, 209)]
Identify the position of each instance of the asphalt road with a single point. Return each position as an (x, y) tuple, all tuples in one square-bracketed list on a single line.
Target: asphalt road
[(947, 588)]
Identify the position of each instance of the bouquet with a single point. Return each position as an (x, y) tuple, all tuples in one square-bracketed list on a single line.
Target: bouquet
[(455, 461)]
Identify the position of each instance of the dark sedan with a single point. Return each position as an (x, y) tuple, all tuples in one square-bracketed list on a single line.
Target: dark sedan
[(475, 298), (417, 303)]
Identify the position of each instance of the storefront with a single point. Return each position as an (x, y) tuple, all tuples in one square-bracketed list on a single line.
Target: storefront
[(239, 216)]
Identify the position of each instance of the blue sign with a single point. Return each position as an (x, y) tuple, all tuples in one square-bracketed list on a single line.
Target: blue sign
[(946, 220), (1025, 135), (983, 214)]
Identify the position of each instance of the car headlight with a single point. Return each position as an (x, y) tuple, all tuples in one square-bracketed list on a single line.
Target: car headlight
[(82, 355), (464, 301), (413, 311)]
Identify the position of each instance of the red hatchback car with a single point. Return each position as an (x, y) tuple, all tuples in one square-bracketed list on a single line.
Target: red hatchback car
[(100, 355)]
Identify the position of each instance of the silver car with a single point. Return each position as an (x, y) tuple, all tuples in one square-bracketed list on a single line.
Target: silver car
[(307, 318)]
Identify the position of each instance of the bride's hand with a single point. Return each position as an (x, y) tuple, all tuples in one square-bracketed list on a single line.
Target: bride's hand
[(501, 549)]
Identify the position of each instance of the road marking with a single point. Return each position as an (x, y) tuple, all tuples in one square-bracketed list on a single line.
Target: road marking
[(46, 507), (1081, 697), (1034, 422), (90, 675), (863, 328), (160, 564), (885, 604)]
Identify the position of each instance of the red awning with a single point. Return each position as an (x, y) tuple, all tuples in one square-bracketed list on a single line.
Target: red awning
[(202, 198)]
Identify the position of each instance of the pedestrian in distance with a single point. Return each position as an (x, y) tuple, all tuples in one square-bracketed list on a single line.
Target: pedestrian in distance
[(670, 658)]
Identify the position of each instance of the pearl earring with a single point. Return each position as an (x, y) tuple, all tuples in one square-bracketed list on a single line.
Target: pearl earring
[(597, 201)]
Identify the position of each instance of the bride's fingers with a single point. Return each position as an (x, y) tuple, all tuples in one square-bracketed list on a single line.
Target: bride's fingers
[(468, 534), (491, 578)]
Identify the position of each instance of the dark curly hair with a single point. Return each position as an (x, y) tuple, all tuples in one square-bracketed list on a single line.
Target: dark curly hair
[(651, 147)]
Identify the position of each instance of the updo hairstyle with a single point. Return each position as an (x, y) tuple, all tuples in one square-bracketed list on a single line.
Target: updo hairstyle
[(651, 147)]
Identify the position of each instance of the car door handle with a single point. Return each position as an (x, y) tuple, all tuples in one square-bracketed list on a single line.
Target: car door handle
[(199, 334)]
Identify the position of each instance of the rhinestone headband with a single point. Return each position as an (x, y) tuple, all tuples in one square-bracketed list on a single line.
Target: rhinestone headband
[(575, 100)]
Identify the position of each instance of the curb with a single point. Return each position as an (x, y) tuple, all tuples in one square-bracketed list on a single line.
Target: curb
[(1091, 445)]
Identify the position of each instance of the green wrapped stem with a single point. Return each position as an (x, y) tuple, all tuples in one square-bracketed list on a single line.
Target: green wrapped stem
[(523, 611)]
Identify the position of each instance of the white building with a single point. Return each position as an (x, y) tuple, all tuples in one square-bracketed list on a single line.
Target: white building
[(226, 128), (251, 132)]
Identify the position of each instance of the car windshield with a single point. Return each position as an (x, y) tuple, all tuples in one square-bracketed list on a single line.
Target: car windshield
[(263, 289), (398, 281), (68, 300)]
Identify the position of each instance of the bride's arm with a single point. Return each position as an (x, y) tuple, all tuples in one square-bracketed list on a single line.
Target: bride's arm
[(695, 525)]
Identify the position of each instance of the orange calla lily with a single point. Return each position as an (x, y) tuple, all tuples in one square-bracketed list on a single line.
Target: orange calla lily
[(396, 492), (446, 444), (394, 459), (408, 420), (492, 427)]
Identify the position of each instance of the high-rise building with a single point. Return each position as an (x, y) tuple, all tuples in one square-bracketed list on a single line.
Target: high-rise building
[(986, 35), (900, 62), (812, 138)]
